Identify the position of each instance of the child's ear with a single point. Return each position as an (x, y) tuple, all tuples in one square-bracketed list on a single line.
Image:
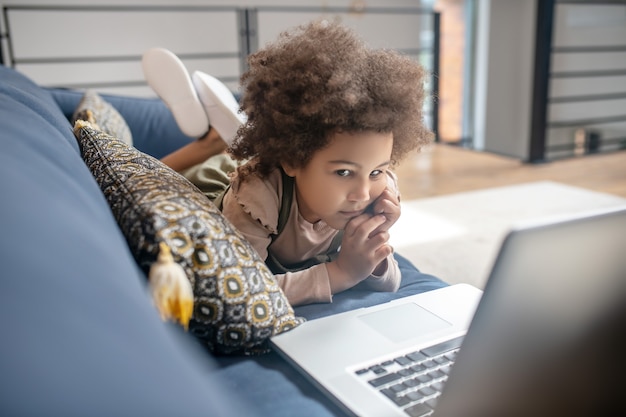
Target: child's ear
[(289, 170)]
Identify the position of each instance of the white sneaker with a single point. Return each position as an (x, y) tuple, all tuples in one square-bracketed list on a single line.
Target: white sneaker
[(168, 77), (219, 104)]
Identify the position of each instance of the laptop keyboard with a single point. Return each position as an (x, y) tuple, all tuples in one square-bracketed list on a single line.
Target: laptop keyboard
[(414, 381)]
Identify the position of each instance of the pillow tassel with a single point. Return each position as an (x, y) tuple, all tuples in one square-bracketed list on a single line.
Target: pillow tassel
[(171, 290)]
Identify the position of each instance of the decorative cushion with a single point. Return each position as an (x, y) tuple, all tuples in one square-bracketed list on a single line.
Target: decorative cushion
[(151, 123), (238, 304), (94, 109)]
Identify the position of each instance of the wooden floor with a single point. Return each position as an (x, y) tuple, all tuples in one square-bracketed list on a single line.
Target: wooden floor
[(445, 169)]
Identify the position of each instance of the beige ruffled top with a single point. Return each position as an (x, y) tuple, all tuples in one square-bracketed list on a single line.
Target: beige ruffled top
[(252, 206)]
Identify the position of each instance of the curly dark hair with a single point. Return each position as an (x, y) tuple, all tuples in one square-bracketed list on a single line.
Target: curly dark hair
[(320, 78)]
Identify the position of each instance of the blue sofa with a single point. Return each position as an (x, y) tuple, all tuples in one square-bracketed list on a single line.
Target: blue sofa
[(80, 335)]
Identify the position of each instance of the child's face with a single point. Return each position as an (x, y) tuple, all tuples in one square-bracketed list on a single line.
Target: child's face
[(342, 179)]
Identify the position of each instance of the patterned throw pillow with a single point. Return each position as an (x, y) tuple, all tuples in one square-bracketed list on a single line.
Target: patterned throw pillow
[(238, 304), (94, 109)]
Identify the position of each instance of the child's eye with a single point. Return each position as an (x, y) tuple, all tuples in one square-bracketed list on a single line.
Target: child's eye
[(343, 172), (376, 173)]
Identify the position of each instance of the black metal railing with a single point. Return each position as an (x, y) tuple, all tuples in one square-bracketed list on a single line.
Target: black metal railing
[(247, 30), (89, 56), (576, 135)]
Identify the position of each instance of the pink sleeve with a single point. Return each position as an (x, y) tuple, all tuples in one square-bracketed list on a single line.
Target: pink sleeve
[(253, 207), (389, 281), (311, 285), (303, 287), (258, 234)]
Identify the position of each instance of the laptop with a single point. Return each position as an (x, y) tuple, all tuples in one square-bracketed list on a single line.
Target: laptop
[(546, 337)]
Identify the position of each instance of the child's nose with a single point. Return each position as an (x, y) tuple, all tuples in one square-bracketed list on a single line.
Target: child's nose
[(360, 192)]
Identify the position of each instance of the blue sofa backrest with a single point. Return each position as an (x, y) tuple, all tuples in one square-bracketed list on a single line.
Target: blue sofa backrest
[(79, 333)]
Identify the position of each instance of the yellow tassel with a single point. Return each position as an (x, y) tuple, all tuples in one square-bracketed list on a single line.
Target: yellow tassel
[(90, 122), (171, 290)]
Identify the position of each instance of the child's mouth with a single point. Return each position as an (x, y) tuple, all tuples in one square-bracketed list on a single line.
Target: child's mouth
[(352, 213)]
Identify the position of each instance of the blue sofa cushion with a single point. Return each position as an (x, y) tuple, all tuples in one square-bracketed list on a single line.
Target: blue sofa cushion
[(238, 304), (79, 333)]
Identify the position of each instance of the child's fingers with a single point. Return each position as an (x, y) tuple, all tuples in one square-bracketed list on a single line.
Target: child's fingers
[(391, 212), (382, 252), (387, 207), (354, 223), (386, 200), (378, 239), (362, 226)]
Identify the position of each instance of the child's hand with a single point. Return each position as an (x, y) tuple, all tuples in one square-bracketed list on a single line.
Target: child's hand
[(361, 252), (387, 204)]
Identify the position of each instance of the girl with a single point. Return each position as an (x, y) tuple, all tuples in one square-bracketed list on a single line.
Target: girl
[(307, 178)]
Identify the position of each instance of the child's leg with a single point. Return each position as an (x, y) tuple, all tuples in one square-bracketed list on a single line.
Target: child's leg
[(195, 152), (195, 105), (212, 176)]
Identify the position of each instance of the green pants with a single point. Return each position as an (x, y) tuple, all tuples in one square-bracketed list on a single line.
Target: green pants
[(212, 175)]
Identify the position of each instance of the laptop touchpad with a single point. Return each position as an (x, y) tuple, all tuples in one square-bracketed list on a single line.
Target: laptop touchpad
[(404, 322)]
